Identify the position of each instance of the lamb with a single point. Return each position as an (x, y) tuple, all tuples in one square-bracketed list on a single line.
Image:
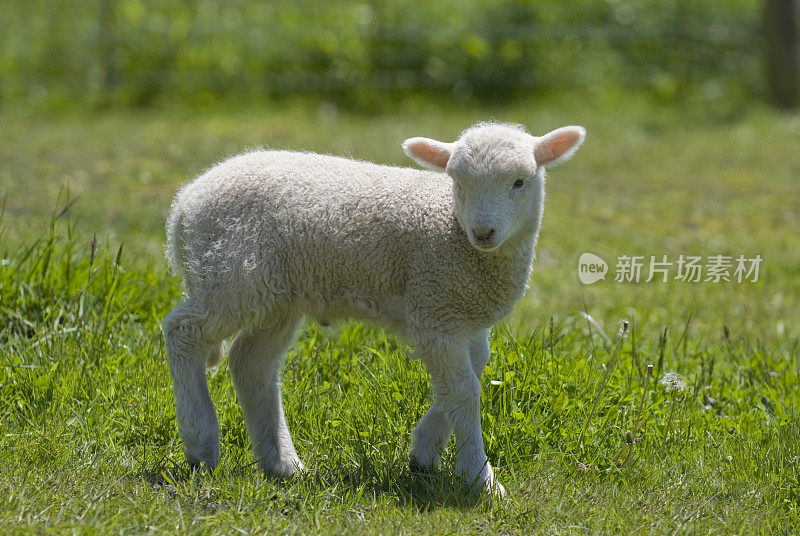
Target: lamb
[(264, 238)]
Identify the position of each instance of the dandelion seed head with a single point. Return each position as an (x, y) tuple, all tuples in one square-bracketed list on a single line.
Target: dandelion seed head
[(673, 382), (623, 328)]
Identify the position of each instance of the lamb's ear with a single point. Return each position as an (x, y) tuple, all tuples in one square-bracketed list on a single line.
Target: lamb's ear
[(428, 153), (558, 146)]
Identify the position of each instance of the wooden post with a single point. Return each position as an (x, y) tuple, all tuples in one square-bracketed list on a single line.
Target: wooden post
[(106, 26), (782, 52)]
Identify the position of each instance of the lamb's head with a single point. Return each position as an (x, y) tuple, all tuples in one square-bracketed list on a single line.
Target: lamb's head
[(498, 177)]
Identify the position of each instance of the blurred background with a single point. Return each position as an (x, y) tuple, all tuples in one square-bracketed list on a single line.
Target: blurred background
[(108, 106), (364, 53)]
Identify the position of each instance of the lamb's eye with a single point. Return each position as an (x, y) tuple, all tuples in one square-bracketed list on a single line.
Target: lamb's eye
[(519, 183)]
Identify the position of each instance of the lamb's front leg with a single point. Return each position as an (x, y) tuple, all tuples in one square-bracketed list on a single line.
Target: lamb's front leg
[(434, 430), (458, 395), (430, 437)]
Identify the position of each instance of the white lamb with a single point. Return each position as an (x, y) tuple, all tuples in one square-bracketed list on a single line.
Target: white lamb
[(269, 236)]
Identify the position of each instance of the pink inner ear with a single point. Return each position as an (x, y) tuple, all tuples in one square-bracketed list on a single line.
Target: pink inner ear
[(554, 146), (562, 143), (433, 155)]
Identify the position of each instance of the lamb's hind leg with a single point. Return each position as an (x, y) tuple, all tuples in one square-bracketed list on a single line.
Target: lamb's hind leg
[(433, 432), (255, 360), (191, 345)]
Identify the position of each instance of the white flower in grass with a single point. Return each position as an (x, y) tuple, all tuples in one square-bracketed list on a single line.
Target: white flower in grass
[(673, 382), (623, 328)]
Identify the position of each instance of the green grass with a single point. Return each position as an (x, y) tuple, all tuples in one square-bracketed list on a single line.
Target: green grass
[(89, 442)]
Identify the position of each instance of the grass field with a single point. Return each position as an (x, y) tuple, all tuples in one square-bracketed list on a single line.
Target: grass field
[(708, 445)]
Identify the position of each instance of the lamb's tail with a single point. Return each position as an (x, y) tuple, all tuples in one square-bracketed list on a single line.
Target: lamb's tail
[(174, 249)]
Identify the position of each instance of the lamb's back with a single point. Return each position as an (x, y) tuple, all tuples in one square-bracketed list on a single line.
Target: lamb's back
[(283, 218)]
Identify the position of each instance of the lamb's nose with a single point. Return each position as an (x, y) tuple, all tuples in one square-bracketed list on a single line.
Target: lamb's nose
[(482, 232)]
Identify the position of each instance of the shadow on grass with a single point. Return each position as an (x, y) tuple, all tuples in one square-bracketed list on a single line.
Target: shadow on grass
[(423, 491)]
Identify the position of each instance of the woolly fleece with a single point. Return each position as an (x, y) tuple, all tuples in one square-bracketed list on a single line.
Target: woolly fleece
[(264, 238)]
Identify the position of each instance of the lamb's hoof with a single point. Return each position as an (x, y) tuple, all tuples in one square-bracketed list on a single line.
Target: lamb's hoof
[(206, 458), (418, 467), (490, 487), (285, 469), (424, 460), (486, 482), (200, 468), (494, 489)]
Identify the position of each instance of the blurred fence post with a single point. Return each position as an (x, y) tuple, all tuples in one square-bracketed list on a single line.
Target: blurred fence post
[(782, 52), (106, 27)]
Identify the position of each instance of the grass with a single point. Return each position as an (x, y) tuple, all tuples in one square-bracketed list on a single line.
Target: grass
[(584, 440)]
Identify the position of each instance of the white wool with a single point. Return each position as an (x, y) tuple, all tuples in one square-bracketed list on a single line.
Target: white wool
[(266, 237)]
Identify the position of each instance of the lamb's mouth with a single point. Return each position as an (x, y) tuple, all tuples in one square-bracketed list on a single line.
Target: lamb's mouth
[(485, 244)]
